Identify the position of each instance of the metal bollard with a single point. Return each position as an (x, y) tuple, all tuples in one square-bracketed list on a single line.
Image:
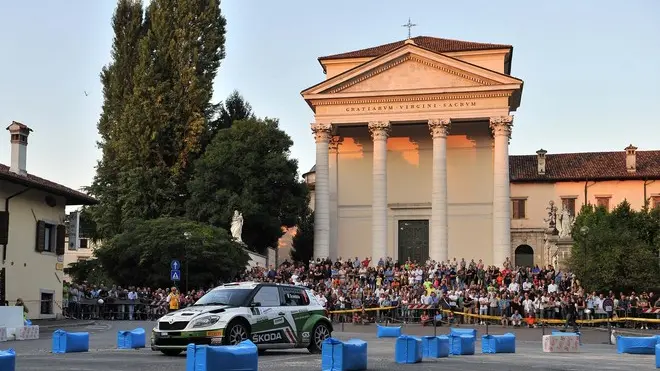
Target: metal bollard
[(435, 327)]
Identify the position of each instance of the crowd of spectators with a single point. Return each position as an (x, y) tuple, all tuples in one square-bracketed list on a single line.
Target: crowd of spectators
[(419, 292)]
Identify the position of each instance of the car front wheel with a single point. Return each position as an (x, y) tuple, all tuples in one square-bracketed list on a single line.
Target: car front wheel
[(320, 332), (235, 333)]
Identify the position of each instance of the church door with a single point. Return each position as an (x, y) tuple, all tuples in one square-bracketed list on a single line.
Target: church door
[(413, 240), (524, 256)]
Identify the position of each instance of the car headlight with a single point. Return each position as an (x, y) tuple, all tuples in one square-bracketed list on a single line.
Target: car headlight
[(206, 321)]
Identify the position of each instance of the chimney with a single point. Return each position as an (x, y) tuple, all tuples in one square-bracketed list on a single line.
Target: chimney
[(540, 160), (19, 140), (631, 158)]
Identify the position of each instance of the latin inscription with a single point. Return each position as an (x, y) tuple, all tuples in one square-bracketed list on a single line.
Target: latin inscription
[(410, 107)]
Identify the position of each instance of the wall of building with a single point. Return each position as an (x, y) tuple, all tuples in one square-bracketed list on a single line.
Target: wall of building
[(409, 166), (30, 273), (73, 256)]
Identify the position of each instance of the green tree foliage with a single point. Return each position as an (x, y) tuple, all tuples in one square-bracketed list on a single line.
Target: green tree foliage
[(141, 255), (234, 108), (617, 250), (158, 91), (89, 271), (248, 168), (303, 241)]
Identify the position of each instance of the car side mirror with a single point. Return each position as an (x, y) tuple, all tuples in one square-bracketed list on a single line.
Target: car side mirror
[(255, 304)]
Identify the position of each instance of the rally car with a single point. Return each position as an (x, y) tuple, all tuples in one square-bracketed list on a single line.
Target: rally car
[(273, 316)]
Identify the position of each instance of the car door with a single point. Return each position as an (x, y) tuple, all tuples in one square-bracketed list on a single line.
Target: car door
[(269, 326), (296, 313)]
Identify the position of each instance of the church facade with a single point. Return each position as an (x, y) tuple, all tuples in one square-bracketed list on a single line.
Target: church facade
[(412, 155)]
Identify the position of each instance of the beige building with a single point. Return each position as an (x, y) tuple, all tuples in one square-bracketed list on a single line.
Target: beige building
[(412, 158), (32, 232)]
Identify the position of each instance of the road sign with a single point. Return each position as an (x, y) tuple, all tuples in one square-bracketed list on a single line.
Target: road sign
[(175, 265), (175, 275)]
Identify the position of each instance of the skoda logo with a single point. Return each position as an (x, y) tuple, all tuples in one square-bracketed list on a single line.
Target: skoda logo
[(171, 321)]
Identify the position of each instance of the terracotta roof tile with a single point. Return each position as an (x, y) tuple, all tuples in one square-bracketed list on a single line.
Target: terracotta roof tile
[(72, 196), (583, 166), (432, 43)]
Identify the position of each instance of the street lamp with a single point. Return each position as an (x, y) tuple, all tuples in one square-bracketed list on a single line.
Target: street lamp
[(187, 236), (585, 232)]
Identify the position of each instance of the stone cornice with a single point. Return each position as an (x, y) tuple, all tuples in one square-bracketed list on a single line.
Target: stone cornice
[(417, 98)]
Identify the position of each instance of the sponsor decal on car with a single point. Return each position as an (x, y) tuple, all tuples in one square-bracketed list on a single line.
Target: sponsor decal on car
[(305, 335), (278, 321), (218, 333), (216, 340), (267, 337)]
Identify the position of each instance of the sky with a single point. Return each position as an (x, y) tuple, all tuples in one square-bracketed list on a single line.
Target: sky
[(591, 68)]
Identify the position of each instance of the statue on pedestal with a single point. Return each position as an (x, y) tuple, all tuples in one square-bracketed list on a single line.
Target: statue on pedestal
[(565, 223), (237, 227), (551, 221)]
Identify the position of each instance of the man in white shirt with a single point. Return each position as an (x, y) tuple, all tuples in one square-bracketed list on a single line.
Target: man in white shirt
[(527, 285), (552, 288), (132, 296), (514, 287)]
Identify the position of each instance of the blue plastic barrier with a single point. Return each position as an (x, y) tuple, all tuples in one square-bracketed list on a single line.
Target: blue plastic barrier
[(462, 331), (408, 349), (498, 343), (344, 356), (657, 356), (561, 333), (70, 342), (240, 357), (388, 331), (462, 345), (636, 345), (435, 346), (7, 360), (132, 339)]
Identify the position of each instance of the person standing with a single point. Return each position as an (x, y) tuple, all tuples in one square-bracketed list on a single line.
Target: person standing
[(173, 300), (571, 314)]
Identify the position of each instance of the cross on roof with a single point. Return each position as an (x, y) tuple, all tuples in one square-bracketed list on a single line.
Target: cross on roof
[(410, 25)]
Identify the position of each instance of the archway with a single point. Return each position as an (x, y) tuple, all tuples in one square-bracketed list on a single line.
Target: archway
[(524, 256)]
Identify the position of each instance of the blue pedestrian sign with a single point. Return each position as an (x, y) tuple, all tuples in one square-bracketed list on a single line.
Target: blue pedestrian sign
[(175, 275), (175, 265)]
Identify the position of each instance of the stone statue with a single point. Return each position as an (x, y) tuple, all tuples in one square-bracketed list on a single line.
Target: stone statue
[(551, 221), (565, 223), (237, 226)]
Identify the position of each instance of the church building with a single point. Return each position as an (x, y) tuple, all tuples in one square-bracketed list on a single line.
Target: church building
[(412, 157)]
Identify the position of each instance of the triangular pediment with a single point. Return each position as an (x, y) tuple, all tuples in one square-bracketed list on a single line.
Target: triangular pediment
[(411, 68)]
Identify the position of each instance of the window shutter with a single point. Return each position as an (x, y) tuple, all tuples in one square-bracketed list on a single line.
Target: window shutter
[(60, 246), (41, 236), (4, 227)]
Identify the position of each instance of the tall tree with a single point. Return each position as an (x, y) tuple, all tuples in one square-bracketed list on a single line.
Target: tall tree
[(117, 80), (248, 168), (161, 123), (303, 242), (234, 108)]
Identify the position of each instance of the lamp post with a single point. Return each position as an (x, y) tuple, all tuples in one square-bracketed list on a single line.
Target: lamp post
[(187, 236), (585, 232)]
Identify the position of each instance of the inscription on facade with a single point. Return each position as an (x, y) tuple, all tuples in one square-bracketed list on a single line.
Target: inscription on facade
[(411, 106)]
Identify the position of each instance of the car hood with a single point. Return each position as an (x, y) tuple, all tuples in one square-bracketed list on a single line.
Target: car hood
[(190, 313)]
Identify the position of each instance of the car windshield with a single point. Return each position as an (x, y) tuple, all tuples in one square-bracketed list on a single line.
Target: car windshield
[(224, 296)]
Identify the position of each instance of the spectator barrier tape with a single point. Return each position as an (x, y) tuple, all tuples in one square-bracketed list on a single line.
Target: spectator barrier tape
[(453, 331), (131, 339), (563, 333), (435, 346), (408, 349), (70, 342), (637, 345), (7, 360), (240, 357), (344, 311), (337, 355), (27, 333), (561, 344), (498, 343), (657, 356), (462, 345), (3, 334), (388, 331)]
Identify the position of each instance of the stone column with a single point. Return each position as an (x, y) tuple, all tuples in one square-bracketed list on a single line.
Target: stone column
[(501, 127), (439, 249), (334, 196), (322, 134), (380, 131)]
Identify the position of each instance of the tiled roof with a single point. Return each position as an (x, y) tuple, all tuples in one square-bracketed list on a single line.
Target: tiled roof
[(584, 166), (435, 44), (73, 197)]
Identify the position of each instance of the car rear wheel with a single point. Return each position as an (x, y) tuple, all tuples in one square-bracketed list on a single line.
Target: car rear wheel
[(320, 332), (171, 352), (236, 332)]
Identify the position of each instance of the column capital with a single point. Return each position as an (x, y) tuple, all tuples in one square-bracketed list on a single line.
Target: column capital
[(322, 131), (334, 143), (501, 125), (439, 127), (379, 130)]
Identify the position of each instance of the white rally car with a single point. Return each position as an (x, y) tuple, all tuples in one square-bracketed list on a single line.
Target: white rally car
[(273, 316)]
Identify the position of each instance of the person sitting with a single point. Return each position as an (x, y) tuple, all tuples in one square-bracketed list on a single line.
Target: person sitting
[(530, 321), (516, 319), (504, 320), (424, 319)]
